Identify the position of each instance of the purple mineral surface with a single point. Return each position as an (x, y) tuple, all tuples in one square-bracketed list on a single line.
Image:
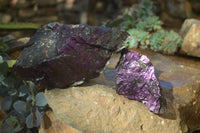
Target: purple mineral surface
[(136, 80), (60, 55)]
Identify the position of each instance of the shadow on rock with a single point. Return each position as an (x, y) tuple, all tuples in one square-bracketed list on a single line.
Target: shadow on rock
[(167, 102), (166, 87), (171, 112)]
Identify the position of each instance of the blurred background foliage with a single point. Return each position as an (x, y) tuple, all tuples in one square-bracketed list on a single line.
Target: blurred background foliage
[(92, 12), (28, 15), (145, 29)]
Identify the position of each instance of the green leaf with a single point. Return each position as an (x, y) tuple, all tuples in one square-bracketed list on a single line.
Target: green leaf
[(19, 106), (150, 24), (3, 82), (22, 90), (18, 26), (1, 59), (1, 78), (11, 63), (34, 119), (11, 120), (14, 122), (29, 98), (6, 128), (12, 92), (156, 41), (40, 99), (133, 43), (31, 85)]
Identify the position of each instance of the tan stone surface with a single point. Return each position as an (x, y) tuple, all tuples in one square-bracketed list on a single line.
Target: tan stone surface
[(97, 108), (188, 23), (51, 124), (191, 42)]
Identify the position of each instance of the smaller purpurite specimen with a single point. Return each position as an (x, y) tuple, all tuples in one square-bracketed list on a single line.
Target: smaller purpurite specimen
[(136, 80), (60, 55)]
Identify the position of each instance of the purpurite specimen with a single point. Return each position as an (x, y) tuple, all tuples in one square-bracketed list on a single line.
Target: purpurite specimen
[(60, 55), (136, 80)]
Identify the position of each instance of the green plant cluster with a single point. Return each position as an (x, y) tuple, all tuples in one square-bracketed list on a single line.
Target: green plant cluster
[(22, 101), (165, 42), (145, 29)]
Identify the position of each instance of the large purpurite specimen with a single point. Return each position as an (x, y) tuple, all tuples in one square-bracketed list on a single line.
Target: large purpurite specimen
[(61, 55), (135, 79)]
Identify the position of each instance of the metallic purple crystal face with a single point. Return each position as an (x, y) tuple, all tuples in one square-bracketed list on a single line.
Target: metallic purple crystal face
[(136, 80), (60, 55)]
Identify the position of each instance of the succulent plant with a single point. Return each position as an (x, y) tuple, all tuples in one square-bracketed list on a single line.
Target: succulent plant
[(165, 42), (132, 42), (135, 79), (175, 37), (138, 38), (156, 41), (20, 100), (143, 38), (169, 47), (145, 29), (149, 24), (171, 43)]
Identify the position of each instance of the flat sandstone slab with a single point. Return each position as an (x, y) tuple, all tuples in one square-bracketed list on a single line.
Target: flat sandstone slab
[(97, 108)]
